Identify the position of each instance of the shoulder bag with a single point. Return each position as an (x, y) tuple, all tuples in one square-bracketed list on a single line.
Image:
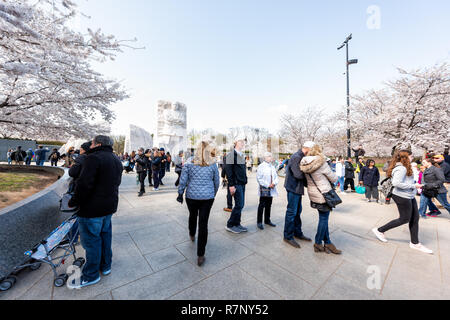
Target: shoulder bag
[(331, 197)]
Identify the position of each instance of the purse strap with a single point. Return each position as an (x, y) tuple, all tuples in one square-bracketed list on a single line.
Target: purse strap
[(314, 183)]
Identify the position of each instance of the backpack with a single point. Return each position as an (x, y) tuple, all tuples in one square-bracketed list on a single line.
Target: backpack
[(19, 156), (387, 188), (54, 156)]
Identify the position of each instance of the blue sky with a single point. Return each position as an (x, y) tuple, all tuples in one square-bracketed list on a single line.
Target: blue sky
[(244, 62)]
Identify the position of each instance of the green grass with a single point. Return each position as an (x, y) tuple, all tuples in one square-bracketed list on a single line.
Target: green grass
[(15, 182)]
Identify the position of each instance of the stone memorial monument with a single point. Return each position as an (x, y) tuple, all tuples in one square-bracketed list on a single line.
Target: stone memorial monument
[(137, 138), (172, 126)]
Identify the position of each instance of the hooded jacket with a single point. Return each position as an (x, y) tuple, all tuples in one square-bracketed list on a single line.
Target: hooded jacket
[(97, 188), (317, 168)]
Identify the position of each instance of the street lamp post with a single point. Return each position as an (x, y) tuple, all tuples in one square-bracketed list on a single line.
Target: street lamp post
[(348, 63)]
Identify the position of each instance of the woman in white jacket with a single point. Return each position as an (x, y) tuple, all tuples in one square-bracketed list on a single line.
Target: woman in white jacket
[(267, 178)]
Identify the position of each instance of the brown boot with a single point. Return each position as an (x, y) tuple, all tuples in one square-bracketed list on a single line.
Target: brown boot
[(319, 248), (192, 238), (330, 248), (201, 261)]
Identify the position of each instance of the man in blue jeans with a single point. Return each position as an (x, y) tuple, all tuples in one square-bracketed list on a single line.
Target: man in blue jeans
[(97, 195), (236, 172), (295, 183)]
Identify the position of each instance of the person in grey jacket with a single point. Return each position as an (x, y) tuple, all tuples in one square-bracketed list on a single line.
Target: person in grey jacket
[(404, 195), (433, 177), (200, 179)]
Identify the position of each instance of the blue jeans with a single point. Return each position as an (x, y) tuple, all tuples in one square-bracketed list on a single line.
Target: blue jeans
[(341, 181), (322, 230), (96, 238), (424, 203), (39, 161), (293, 223), (239, 202), (442, 198)]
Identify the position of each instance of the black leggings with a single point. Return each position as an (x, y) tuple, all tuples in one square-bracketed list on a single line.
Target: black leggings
[(142, 176), (200, 209), (265, 205), (409, 213)]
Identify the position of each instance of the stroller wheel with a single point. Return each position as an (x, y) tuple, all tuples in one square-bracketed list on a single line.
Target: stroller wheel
[(35, 266), (60, 280), (8, 283), (79, 262)]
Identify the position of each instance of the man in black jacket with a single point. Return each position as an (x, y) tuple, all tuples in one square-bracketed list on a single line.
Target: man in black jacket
[(97, 195), (360, 152), (162, 172), (294, 184), (349, 175), (236, 172), (142, 163)]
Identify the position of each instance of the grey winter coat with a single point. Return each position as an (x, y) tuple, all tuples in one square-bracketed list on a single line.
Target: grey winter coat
[(200, 183), (434, 177), (318, 168)]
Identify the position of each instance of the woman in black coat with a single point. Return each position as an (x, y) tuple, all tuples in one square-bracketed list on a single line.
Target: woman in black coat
[(75, 169), (370, 177)]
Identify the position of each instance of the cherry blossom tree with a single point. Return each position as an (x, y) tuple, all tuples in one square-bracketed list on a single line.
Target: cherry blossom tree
[(411, 112), (296, 129), (48, 87)]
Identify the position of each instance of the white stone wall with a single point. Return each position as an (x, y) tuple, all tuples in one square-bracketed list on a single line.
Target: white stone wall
[(172, 126), (137, 138)]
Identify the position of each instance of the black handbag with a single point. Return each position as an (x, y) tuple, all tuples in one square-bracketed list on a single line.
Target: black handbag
[(430, 192), (265, 192), (331, 197)]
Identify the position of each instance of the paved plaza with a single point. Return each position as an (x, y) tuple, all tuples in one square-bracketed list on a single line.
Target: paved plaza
[(155, 259)]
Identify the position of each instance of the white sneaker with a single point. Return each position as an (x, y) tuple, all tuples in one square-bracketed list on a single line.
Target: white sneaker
[(379, 235), (420, 247)]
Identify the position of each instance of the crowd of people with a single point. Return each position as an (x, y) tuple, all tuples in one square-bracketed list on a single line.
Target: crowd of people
[(97, 174), (150, 163), (39, 156)]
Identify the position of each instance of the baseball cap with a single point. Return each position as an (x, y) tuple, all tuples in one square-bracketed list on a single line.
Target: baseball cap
[(309, 144), (439, 156)]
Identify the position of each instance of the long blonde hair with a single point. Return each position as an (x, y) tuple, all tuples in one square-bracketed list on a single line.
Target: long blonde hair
[(204, 154)]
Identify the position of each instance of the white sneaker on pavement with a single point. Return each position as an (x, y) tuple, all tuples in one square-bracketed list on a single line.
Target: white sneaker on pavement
[(379, 235), (420, 247)]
